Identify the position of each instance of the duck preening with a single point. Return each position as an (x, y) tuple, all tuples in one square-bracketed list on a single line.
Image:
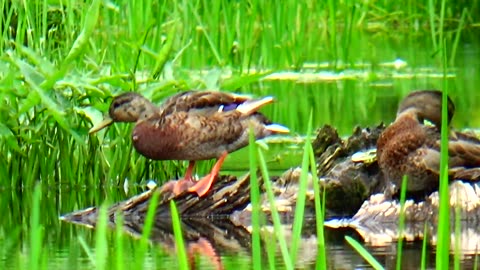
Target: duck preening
[(412, 148)]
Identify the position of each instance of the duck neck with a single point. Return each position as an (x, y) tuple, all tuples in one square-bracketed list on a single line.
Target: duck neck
[(146, 109), (142, 109)]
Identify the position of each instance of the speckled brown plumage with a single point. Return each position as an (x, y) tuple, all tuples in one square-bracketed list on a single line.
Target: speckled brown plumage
[(193, 125), (408, 147)]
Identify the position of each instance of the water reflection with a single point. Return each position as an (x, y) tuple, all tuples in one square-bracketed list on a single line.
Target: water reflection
[(218, 237)]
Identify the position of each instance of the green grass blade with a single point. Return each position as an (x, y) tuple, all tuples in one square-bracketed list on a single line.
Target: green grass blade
[(88, 251), (36, 230), (101, 244), (475, 262), (458, 231), (206, 34), (431, 13), (235, 83), (319, 217), (166, 50), (423, 264), (458, 34), (401, 222), (332, 28), (119, 249), (255, 201), (443, 244), (91, 19), (279, 233), (179, 243), (146, 230), (364, 253), (301, 196)]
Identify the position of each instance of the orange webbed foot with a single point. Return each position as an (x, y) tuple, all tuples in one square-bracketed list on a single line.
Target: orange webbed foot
[(203, 185), (180, 186), (177, 187)]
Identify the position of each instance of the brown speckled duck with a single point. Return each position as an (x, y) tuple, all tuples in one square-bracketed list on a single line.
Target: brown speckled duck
[(409, 147), (192, 125)]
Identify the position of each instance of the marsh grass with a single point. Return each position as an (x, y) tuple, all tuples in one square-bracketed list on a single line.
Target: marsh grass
[(36, 231), (301, 195), (101, 244), (255, 201), (401, 222), (319, 212), (147, 229), (61, 63), (288, 251), (443, 232), (424, 247), (364, 253), (279, 232), (177, 231)]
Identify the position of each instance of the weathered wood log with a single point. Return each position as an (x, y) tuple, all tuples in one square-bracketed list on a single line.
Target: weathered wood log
[(377, 219), (342, 175), (226, 195)]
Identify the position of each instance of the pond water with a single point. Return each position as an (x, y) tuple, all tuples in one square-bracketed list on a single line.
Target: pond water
[(364, 92)]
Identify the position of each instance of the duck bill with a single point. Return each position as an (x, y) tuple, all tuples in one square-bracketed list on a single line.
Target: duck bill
[(105, 123)]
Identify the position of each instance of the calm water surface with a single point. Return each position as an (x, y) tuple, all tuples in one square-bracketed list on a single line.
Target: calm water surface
[(367, 96)]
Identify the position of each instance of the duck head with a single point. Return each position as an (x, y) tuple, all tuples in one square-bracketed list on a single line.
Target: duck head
[(127, 107), (426, 105)]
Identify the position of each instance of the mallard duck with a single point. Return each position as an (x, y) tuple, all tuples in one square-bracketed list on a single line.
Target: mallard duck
[(192, 125), (409, 147)]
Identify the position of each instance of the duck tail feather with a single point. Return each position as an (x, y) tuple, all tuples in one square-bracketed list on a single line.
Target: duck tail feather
[(252, 106), (276, 128)]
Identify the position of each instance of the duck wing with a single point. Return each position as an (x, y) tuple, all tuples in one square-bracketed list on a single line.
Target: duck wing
[(464, 153), (460, 164), (464, 156), (210, 102)]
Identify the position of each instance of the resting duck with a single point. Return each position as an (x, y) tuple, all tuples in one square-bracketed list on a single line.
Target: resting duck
[(408, 147), (192, 125)]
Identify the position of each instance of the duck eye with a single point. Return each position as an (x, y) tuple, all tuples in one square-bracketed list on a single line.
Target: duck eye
[(116, 104)]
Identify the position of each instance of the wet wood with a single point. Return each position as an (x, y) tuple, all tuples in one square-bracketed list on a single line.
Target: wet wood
[(377, 219), (227, 195)]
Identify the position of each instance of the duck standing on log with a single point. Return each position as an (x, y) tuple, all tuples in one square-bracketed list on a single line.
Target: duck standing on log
[(409, 147), (192, 125)]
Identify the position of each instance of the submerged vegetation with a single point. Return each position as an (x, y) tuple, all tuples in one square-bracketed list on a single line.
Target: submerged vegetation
[(342, 63)]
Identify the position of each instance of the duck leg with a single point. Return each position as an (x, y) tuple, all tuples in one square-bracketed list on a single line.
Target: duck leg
[(179, 186), (203, 185), (186, 182)]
